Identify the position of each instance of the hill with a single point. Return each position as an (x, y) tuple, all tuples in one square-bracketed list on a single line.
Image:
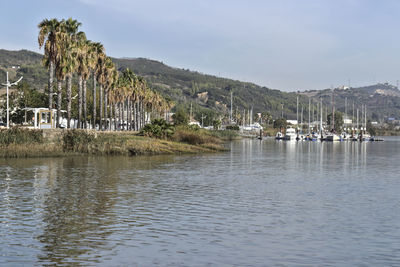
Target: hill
[(209, 93)]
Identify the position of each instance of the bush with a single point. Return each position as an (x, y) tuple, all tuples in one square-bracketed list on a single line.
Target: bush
[(232, 127), (17, 135), (77, 140), (158, 128), (180, 117), (280, 123), (194, 137), (225, 135)]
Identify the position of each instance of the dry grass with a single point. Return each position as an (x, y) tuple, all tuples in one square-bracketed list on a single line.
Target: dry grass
[(109, 143)]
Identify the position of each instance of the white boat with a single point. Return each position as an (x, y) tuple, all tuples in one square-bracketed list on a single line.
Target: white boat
[(344, 136), (332, 137), (279, 136), (300, 137), (365, 137), (290, 134)]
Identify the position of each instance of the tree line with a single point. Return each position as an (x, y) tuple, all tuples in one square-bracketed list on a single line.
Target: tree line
[(117, 96)]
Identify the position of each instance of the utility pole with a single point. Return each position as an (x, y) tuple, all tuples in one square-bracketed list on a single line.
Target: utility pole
[(282, 110), (202, 118), (8, 84), (191, 112)]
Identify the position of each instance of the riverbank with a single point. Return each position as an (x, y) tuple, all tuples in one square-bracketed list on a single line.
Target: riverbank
[(17, 142)]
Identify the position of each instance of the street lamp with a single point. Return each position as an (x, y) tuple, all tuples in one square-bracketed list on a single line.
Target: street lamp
[(8, 84)]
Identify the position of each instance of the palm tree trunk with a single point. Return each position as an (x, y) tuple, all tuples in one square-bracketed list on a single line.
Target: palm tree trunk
[(101, 108), (119, 113), (94, 101), (59, 99), (50, 84), (79, 101), (134, 116), (84, 104), (111, 116), (69, 99), (129, 115), (115, 116), (137, 115), (141, 115), (123, 115), (105, 110)]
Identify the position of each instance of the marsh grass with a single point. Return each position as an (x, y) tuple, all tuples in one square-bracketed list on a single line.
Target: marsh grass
[(226, 135), (31, 143), (20, 136)]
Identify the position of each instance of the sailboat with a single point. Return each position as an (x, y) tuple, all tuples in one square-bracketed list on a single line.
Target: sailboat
[(332, 136)]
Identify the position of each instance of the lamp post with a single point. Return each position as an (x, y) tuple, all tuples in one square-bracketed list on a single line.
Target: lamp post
[(8, 84)]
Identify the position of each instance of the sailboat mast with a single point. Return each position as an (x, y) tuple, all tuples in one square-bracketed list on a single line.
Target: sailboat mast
[(333, 109), (357, 121), (309, 114), (297, 114), (365, 118), (320, 123), (301, 120), (345, 111), (230, 118)]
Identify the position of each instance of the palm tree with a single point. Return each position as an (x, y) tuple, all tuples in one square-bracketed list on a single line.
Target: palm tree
[(89, 62), (49, 37), (81, 49), (95, 65), (71, 28), (110, 74)]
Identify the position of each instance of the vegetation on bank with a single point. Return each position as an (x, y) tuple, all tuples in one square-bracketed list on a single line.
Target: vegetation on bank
[(19, 142)]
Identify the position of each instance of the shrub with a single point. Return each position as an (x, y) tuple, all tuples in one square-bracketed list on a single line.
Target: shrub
[(77, 140), (158, 128), (280, 123), (193, 137), (232, 127), (180, 117), (225, 135)]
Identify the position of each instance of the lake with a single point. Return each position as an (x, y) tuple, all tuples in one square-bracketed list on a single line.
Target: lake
[(263, 203)]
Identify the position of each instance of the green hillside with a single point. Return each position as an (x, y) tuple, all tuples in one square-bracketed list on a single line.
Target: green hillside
[(211, 95)]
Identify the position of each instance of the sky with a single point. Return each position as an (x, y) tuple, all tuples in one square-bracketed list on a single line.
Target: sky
[(288, 45)]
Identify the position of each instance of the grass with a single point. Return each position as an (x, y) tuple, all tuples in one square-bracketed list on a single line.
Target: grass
[(18, 142), (227, 135)]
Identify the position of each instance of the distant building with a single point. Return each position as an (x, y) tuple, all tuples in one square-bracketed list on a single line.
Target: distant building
[(292, 122), (347, 121)]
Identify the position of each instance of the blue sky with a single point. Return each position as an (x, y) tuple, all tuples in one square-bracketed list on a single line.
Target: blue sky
[(286, 44)]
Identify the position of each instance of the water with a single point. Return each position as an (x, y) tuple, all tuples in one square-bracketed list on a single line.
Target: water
[(261, 204)]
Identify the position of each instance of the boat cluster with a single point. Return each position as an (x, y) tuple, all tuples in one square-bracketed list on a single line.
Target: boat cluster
[(356, 135)]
